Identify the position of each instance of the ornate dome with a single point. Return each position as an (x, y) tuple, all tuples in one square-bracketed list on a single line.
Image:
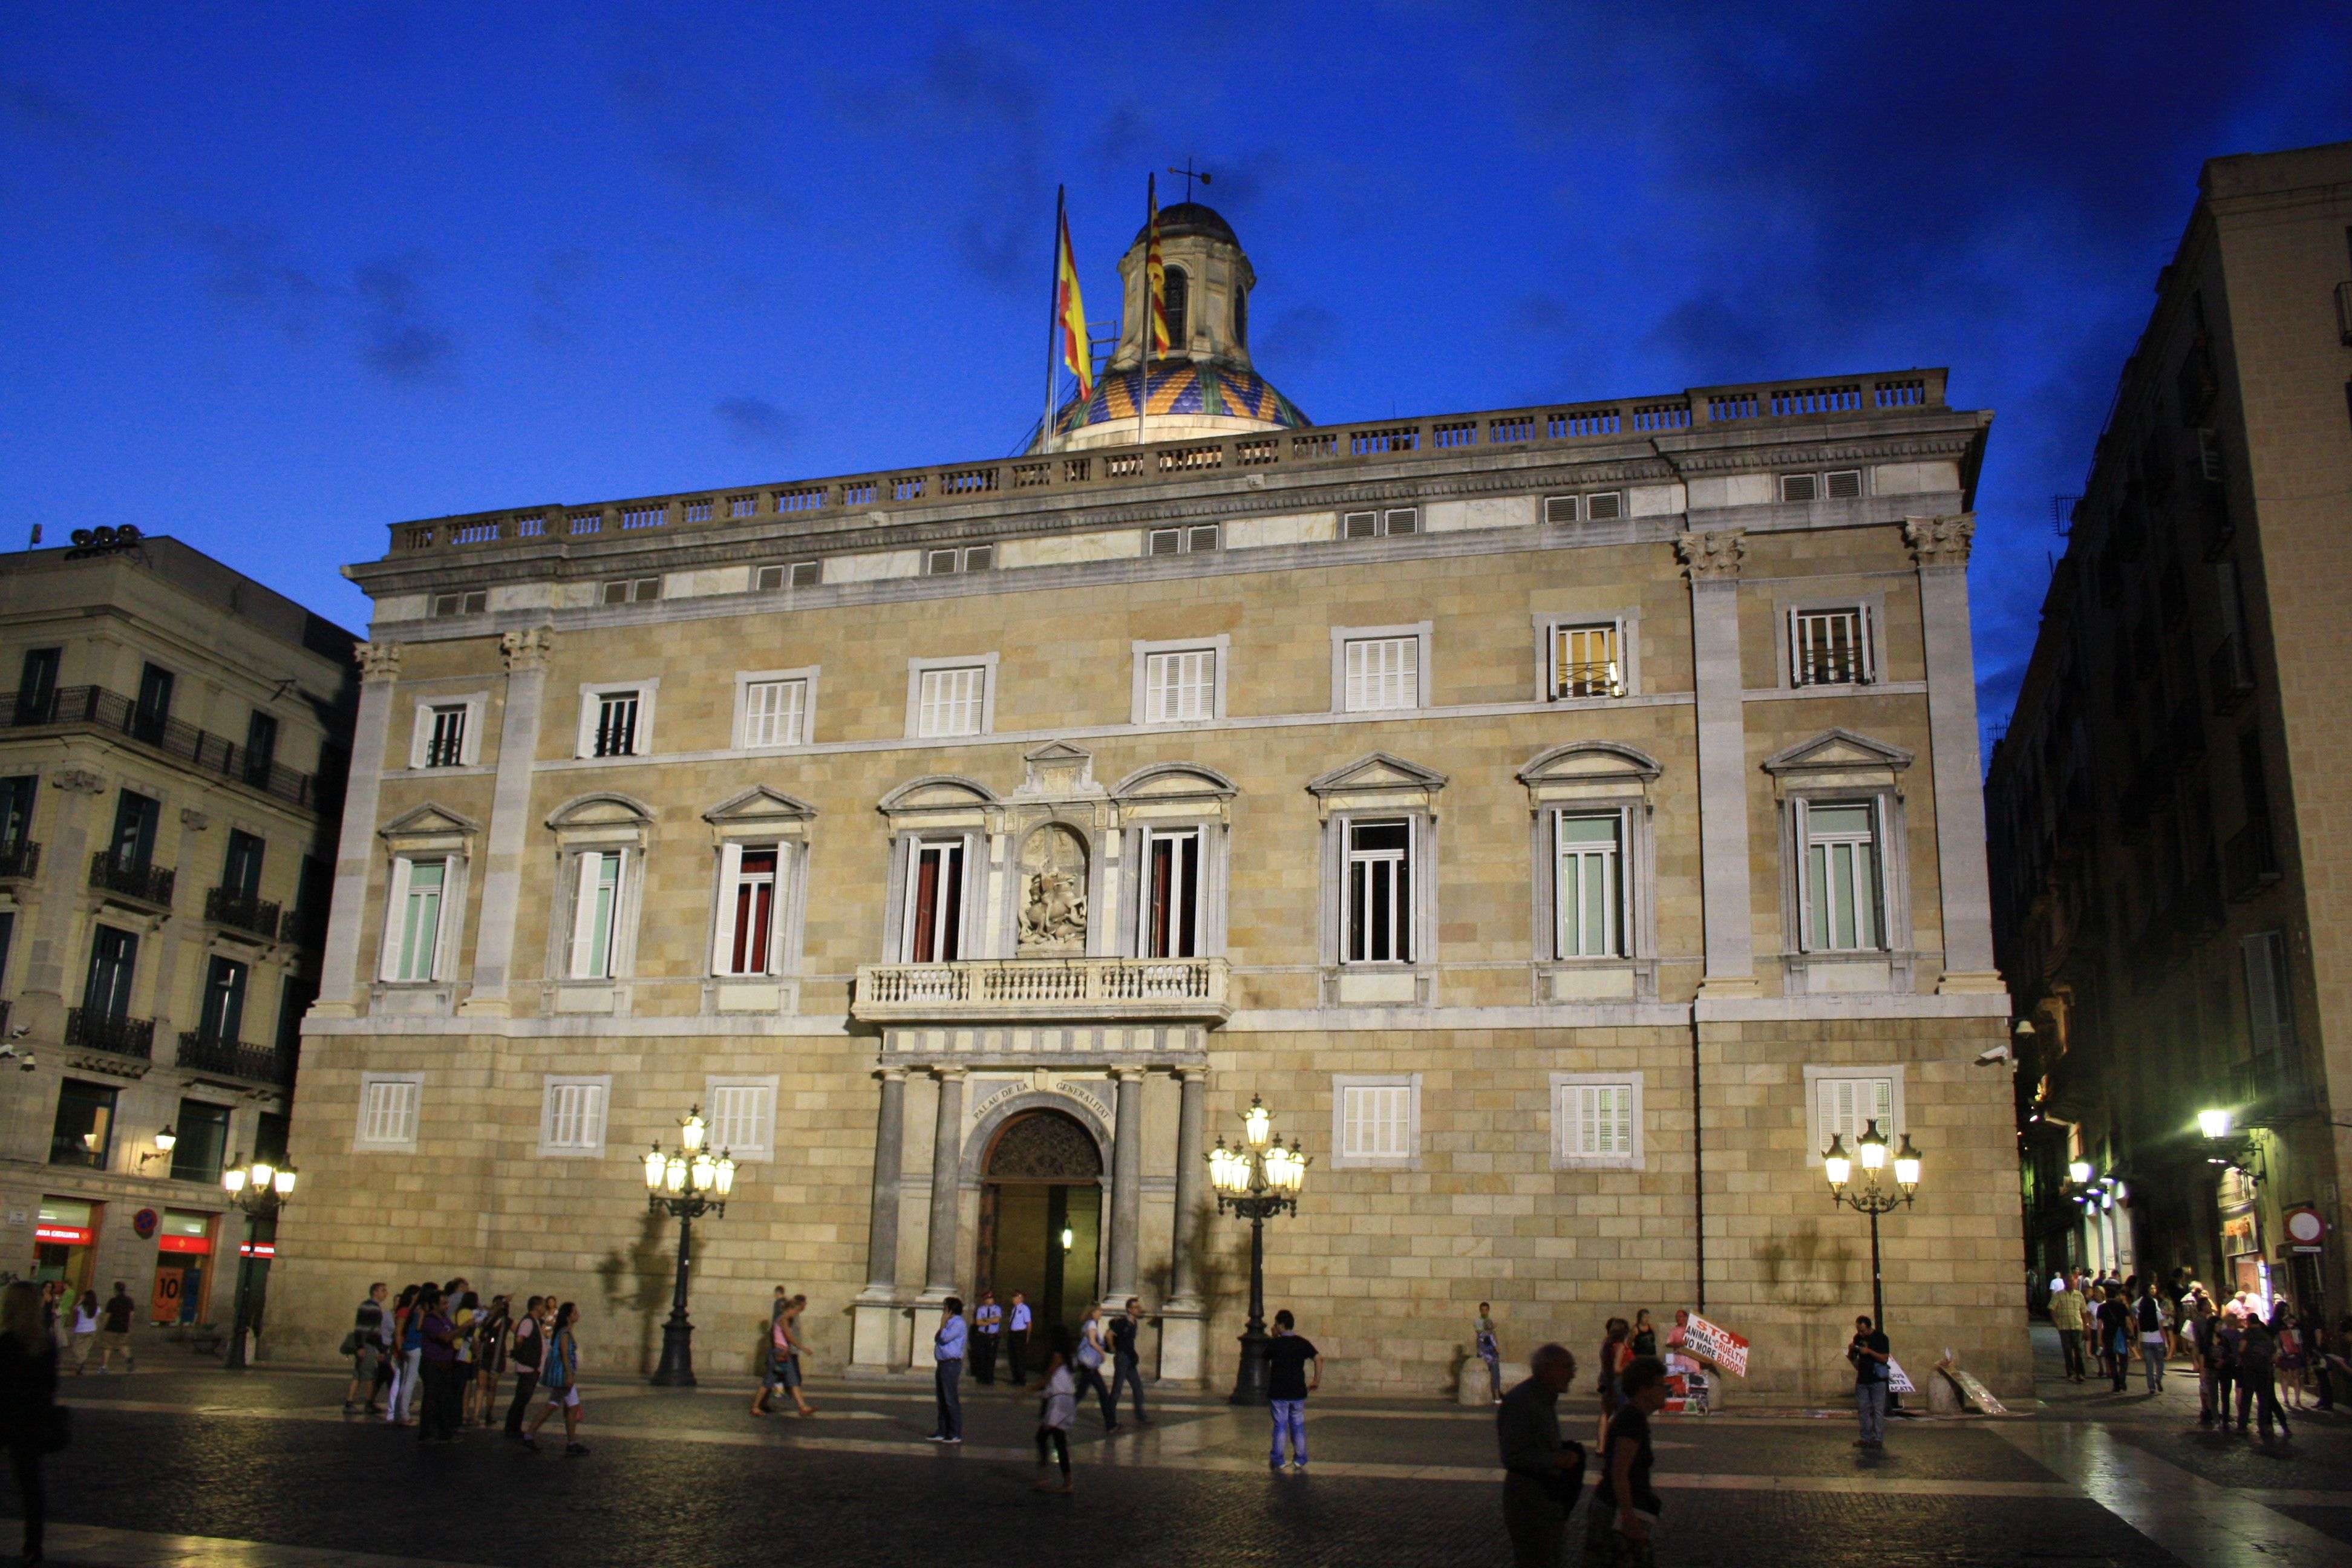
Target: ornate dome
[(1212, 389), (1187, 218)]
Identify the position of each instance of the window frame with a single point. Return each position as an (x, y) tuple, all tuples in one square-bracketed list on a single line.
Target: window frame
[(469, 741), (630, 593), (1342, 1158), (1619, 857), (592, 693), (962, 906), (548, 1084), (1194, 898), (1401, 893), (918, 668), (744, 1154), (1626, 624), (746, 678), (1839, 765), (1808, 897), (1565, 1156), (1424, 654), (364, 1144), (1220, 649), (582, 909), (182, 1120), (781, 885), (395, 946), (1383, 522), (1872, 606), (103, 1158), (1816, 1074), (125, 964)]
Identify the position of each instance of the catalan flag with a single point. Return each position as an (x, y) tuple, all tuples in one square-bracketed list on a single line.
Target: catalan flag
[(1070, 314), (1155, 275)]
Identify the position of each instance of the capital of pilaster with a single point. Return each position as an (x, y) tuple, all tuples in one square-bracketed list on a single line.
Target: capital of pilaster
[(377, 660), (1941, 540), (891, 1075), (948, 1075), (1712, 557), (1191, 1075), (528, 648), (1127, 1075)]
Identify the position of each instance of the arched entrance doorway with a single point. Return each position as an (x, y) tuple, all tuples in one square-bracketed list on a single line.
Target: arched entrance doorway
[(1041, 1216)]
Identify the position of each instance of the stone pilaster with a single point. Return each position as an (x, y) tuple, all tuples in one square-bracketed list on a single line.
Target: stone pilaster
[(1940, 545), (1183, 1325), (354, 851), (874, 1322), (1712, 563), (940, 1243), (1126, 1186), (526, 653)]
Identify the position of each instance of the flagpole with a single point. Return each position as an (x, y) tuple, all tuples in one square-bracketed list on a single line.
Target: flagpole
[(1053, 319), (1143, 339)]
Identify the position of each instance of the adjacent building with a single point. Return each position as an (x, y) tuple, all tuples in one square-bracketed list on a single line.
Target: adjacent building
[(2169, 804), (171, 760), (1566, 820)]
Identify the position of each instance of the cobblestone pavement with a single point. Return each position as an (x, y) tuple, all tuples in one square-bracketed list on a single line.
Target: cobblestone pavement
[(187, 1466)]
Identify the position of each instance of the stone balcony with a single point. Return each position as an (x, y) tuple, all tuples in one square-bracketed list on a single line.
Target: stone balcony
[(1144, 991)]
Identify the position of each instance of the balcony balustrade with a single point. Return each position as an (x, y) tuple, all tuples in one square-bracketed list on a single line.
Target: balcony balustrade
[(135, 879), (256, 1064), (94, 708), (2252, 860), (88, 1031), (2231, 673), (242, 911), (20, 861), (1049, 989), (2271, 1086)]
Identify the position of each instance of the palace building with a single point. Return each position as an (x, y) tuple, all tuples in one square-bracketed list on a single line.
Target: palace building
[(1566, 820)]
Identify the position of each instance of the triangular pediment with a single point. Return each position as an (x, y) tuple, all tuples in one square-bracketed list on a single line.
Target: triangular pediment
[(1835, 750), (1058, 771), (1582, 759), (1379, 771), (430, 821), (760, 804)]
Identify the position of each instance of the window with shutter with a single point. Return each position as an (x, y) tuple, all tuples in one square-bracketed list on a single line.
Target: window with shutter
[(1844, 1105), (749, 881), (388, 1106), (1377, 1121), (1170, 903), (742, 1118), (931, 928), (1843, 890), (807, 574), (596, 909), (1588, 886), (1843, 485), (417, 911), (1596, 1121), (1180, 686), (1562, 508), (1604, 506), (951, 701), (1382, 673), (1799, 487), (773, 711), (571, 1119)]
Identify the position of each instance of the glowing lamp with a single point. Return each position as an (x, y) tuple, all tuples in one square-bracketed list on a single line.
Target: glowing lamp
[(1906, 1164), (2079, 1173), (2213, 1123), (691, 1130), (1256, 1122), (1837, 1163), (655, 1166)]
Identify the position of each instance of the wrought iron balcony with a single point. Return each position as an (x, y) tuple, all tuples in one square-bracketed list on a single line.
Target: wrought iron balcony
[(94, 708), (20, 861), (303, 927), (135, 879), (256, 1064), (2252, 860), (2231, 672), (1073, 989), (88, 1031), (2271, 1086), (241, 912)]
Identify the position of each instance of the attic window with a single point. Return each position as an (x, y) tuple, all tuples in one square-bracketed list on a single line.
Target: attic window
[(467, 603), (1190, 541), (798, 574), (1396, 519), (632, 589)]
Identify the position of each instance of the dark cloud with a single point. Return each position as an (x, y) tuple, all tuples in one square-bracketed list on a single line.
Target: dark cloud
[(1119, 142), (398, 339), (1297, 339), (249, 270), (43, 114), (554, 288), (710, 141), (755, 424)]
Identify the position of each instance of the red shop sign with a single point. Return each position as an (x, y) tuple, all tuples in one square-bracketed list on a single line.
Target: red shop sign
[(256, 1249), (184, 1243), (71, 1235)]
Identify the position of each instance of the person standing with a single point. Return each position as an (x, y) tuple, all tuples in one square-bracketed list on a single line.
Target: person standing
[(987, 1334), (2148, 1318), (559, 1371), (2202, 1325), (367, 1349), (409, 1326), (1644, 1338), (529, 1344), (28, 1400), (2115, 1335), (438, 1352), (1127, 1363), (115, 1335), (1870, 1354), (1489, 1350), (947, 1370), (464, 1323), (491, 1356), (2257, 1369), (1625, 1504), (1056, 1412), (2066, 1317), (1093, 1350), (1287, 1384), (2288, 1330), (1541, 1474), (1017, 1335), (1615, 1351)]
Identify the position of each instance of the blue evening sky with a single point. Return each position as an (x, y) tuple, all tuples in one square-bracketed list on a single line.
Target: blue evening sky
[(277, 276)]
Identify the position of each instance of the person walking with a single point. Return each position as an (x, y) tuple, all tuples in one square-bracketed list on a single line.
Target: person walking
[(2066, 1317), (1623, 1517), (2257, 1372), (1092, 1351), (1615, 1351), (787, 1369), (947, 1370), (559, 1373), (2147, 1316), (367, 1349), (114, 1333), (987, 1335), (84, 1317), (490, 1333), (1017, 1335), (1056, 1412), (529, 1345), (1541, 1473), (770, 1354), (1127, 1360), (1287, 1385), (1489, 1350), (30, 1423), (1870, 1356), (2287, 1329), (2115, 1335)]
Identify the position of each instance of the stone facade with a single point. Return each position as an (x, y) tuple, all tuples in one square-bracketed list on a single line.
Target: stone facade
[(1396, 659), (156, 675), (2164, 802)]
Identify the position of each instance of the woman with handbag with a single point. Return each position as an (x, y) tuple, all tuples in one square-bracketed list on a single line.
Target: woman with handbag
[(30, 1413)]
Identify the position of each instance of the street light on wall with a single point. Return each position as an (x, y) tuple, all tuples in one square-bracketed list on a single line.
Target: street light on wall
[(1872, 1195), (686, 1183), (261, 1190)]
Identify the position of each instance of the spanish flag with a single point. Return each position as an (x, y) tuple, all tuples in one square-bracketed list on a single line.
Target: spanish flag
[(1070, 312), (1155, 275)]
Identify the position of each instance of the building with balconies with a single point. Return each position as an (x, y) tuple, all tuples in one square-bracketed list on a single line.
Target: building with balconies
[(171, 774), (2165, 823), (1567, 818)]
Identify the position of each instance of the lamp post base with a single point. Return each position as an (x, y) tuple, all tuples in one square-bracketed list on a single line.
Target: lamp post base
[(676, 1368), (1250, 1375)]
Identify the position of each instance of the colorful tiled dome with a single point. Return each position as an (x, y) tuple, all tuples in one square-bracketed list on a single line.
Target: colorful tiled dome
[(1183, 386)]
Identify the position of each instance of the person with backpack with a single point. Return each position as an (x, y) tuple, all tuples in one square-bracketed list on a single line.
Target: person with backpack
[(559, 1372), (2149, 1317), (529, 1340), (1542, 1473)]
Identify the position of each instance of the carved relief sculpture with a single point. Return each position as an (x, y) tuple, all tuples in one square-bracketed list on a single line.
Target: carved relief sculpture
[(377, 660), (1053, 891), (1711, 557), (1941, 540)]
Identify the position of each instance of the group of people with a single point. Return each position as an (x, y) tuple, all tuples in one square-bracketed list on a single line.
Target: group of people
[(433, 1357), (1543, 1473), (82, 1327), (1074, 1363), (2242, 1346)]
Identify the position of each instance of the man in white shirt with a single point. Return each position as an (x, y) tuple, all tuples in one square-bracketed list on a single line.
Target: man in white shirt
[(1016, 1336), (987, 1332)]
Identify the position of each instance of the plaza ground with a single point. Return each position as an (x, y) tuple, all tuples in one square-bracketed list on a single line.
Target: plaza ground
[(185, 1465)]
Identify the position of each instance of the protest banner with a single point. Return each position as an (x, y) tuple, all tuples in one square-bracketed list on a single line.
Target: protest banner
[(1715, 1346), (1894, 1378)]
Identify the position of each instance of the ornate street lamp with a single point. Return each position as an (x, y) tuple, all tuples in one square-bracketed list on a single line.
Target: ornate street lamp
[(686, 1183), (1872, 1196), (1258, 1181), (261, 1190)]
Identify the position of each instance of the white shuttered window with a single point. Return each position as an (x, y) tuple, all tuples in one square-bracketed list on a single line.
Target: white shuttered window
[(950, 701), (388, 1113), (742, 1118), (1845, 1106), (1376, 1121), (772, 712), (1382, 673), (571, 1117), (1595, 1120), (1180, 686)]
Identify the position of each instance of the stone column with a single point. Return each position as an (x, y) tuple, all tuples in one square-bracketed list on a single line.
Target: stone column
[(1712, 563), (1126, 1186), (1183, 1325), (48, 966), (874, 1318), (1940, 547), (526, 654), (940, 1247), (355, 850)]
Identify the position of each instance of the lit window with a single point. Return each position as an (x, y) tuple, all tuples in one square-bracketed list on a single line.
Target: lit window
[(1382, 672), (595, 914), (772, 712), (1586, 662), (951, 701), (1829, 648), (1379, 892), (1171, 872), (1843, 906), (1180, 686), (747, 903), (932, 929), (1588, 885)]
